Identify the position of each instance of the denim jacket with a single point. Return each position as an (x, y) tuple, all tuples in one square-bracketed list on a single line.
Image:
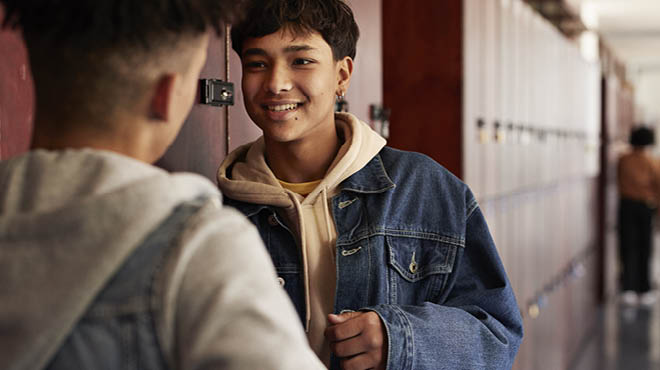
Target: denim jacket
[(118, 331), (414, 247)]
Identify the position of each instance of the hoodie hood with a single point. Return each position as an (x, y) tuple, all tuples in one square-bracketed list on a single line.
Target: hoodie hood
[(68, 220), (245, 176)]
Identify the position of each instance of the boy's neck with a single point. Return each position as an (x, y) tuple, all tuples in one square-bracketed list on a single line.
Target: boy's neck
[(302, 160), (48, 136)]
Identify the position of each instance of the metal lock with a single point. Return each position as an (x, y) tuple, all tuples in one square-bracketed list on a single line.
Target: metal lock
[(216, 92)]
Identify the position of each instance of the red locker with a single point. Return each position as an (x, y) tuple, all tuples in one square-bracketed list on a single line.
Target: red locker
[(16, 95)]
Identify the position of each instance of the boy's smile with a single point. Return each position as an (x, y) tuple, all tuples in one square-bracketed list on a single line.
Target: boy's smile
[(290, 83), (281, 110)]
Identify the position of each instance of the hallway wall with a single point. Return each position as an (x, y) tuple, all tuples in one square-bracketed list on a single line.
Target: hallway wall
[(531, 138), (508, 104)]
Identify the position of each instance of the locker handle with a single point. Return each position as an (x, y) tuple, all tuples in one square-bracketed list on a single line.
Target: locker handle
[(216, 92), (500, 136), (482, 135)]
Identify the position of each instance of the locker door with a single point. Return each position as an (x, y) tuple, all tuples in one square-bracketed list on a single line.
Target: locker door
[(202, 144), (554, 111), (489, 66), (471, 95), (518, 111), (527, 78), (594, 119), (565, 102), (16, 95), (498, 98), (547, 100), (507, 97), (537, 45)]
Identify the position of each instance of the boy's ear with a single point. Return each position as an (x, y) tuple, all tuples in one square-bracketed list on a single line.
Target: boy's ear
[(344, 73), (161, 99)]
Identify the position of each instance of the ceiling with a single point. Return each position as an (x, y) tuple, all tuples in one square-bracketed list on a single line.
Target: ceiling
[(631, 29)]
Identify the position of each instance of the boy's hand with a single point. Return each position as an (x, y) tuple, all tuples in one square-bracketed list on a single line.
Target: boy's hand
[(359, 339)]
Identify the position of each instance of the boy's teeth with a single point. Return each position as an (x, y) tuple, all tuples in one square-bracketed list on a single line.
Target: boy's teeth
[(280, 108)]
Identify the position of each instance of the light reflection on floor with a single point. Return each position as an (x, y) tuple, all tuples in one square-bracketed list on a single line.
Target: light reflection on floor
[(626, 338)]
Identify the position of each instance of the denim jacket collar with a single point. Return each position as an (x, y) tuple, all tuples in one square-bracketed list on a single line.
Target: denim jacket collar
[(371, 179)]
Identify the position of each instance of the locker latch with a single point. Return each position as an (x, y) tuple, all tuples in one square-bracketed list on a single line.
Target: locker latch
[(216, 92)]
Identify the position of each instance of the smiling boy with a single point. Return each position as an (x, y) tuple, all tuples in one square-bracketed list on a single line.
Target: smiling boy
[(385, 255)]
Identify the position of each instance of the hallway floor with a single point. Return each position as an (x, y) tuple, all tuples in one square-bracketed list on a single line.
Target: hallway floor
[(625, 337)]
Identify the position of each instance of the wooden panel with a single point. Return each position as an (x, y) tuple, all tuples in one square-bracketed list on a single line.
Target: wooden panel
[(201, 144), (16, 95), (422, 84)]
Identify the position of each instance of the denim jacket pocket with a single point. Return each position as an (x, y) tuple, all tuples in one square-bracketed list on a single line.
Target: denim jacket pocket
[(419, 268)]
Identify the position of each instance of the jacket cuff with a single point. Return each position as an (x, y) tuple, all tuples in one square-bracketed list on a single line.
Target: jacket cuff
[(400, 344)]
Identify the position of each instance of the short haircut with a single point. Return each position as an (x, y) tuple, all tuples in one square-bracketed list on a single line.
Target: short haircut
[(641, 136), (95, 55), (333, 19)]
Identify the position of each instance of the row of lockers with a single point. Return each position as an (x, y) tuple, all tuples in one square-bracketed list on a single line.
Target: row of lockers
[(494, 169), (538, 233), (531, 140), (545, 238), (531, 102)]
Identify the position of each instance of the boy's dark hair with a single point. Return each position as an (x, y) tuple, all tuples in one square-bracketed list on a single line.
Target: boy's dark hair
[(103, 24), (641, 137), (89, 57), (333, 19)]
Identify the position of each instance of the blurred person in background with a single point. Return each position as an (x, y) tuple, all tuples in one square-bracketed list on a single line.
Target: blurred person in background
[(638, 180)]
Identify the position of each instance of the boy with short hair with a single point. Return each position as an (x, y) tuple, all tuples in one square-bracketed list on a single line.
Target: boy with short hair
[(107, 262), (384, 253)]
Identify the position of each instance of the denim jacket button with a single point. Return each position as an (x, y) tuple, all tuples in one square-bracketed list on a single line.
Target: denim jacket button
[(281, 281), (413, 264), (272, 221)]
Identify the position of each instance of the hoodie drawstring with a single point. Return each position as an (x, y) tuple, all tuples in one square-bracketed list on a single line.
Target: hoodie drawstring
[(303, 244), (326, 212)]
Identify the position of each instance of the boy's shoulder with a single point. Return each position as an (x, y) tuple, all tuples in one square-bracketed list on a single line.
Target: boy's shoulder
[(411, 174), (402, 163)]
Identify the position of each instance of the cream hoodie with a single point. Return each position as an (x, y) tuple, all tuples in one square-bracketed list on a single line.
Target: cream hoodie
[(252, 181)]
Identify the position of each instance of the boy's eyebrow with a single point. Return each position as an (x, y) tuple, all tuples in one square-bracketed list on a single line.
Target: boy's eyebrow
[(294, 48), (288, 49), (254, 51)]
